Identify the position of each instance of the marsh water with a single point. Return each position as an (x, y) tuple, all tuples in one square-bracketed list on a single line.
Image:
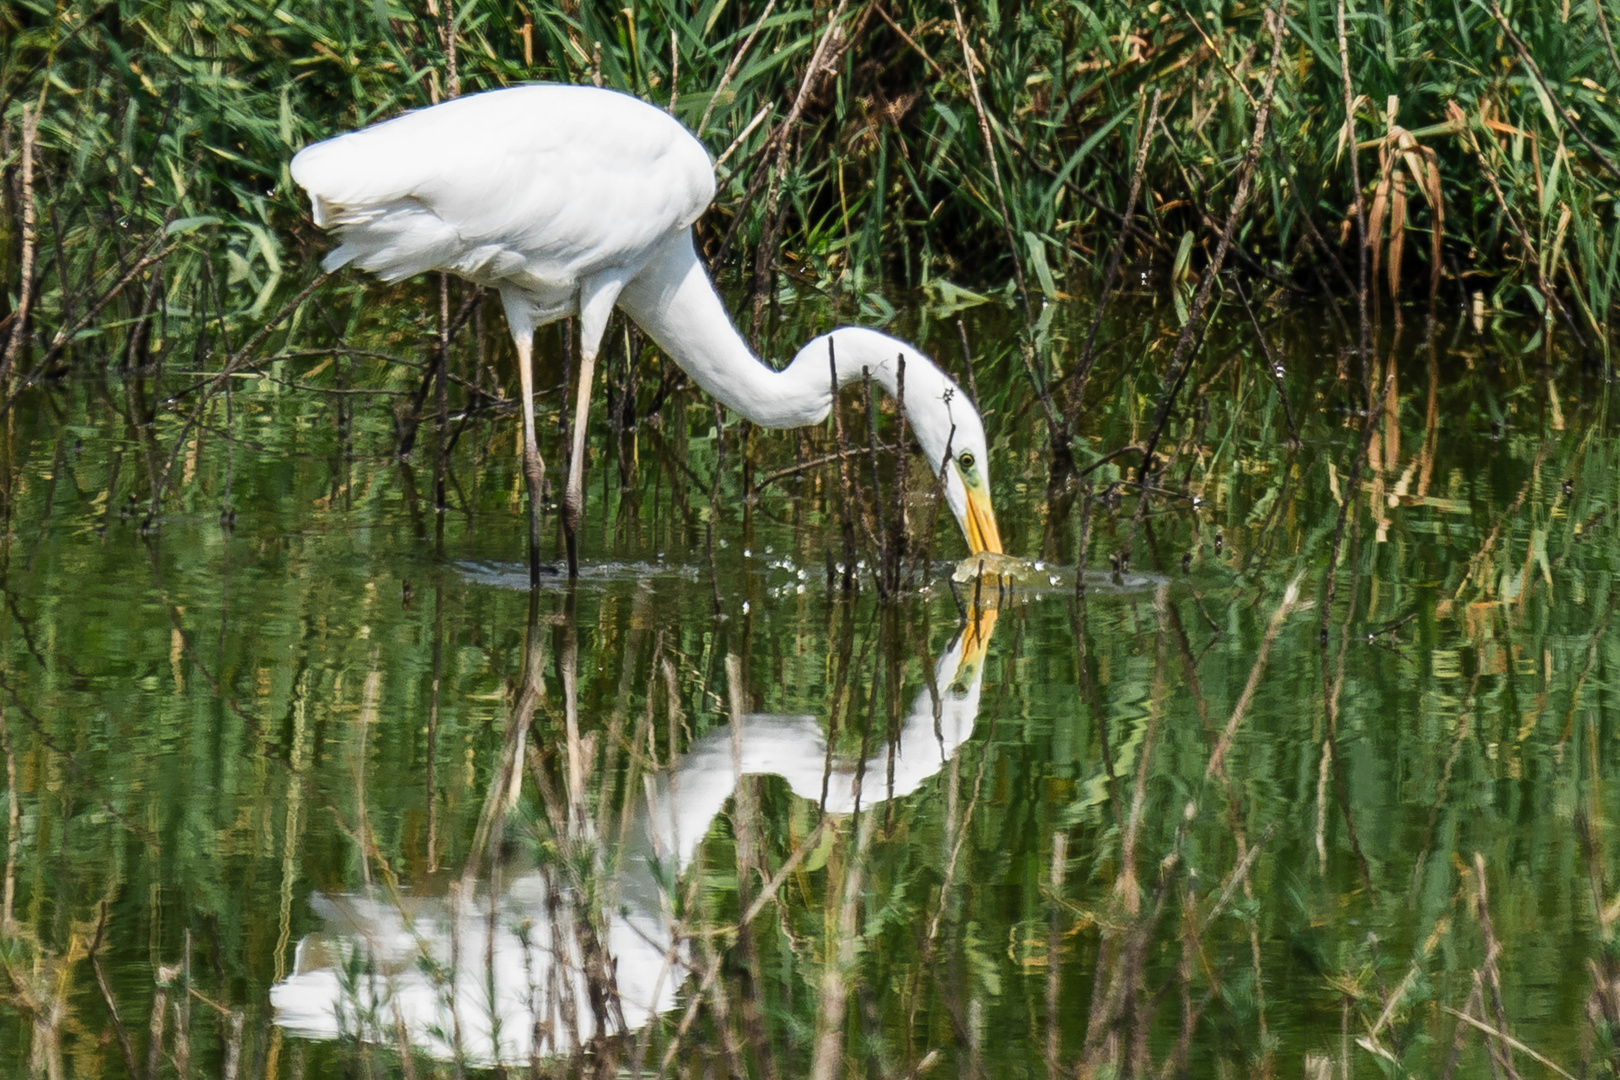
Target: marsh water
[(303, 780)]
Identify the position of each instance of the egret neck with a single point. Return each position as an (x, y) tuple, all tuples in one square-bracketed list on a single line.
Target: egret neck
[(673, 300)]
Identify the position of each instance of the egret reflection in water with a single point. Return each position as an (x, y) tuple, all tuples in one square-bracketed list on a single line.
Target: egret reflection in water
[(525, 973)]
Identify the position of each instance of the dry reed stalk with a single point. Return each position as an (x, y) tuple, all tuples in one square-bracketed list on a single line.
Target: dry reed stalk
[(959, 829), (1509, 1041), (827, 1052), (1217, 758), (967, 361), (1191, 944), (506, 783), (1515, 226), (1464, 730), (182, 1014), (1475, 1001), (447, 40), (1351, 499), (748, 129), (368, 714), (30, 239), (160, 1006), (233, 1049), (900, 537), (1054, 941), (213, 385), (812, 464), (1181, 357), (828, 52), (435, 700), (1564, 111), (1126, 893), (126, 1049), (579, 751), (65, 336), (745, 810), (435, 373), (1502, 519), (878, 527), (8, 922), (75, 766), (1608, 38), (731, 70), (712, 971), (845, 490), (1364, 340), (1117, 983), (232, 1019), (1333, 674), (137, 344), (1492, 974)]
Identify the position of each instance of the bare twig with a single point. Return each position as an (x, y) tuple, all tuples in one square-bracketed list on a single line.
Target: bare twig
[(725, 79), (1082, 370), (1510, 1040), (1180, 358)]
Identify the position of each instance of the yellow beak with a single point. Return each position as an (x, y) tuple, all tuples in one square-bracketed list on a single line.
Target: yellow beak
[(982, 534)]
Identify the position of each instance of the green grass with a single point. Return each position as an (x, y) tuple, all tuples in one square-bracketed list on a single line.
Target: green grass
[(168, 126)]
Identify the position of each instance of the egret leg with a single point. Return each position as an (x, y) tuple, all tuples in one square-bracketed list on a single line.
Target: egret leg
[(574, 494), (534, 469)]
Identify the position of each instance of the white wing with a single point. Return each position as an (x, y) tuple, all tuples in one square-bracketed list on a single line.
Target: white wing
[(539, 185)]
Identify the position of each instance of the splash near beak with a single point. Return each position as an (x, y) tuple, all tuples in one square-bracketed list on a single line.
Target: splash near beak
[(982, 534)]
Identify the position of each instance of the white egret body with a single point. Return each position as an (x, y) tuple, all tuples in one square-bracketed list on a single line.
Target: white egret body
[(571, 199)]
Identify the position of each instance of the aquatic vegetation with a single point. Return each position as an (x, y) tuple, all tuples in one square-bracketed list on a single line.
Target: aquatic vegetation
[(1299, 765)]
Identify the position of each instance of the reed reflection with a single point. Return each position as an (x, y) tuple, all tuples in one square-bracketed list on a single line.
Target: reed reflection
[(554, 958)]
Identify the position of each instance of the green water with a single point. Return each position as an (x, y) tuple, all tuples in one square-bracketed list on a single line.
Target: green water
[(230, 738)]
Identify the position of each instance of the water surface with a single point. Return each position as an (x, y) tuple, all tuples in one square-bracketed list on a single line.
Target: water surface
[(273, 780)]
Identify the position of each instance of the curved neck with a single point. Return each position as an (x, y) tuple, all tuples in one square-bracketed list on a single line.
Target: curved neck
[(674, 301)]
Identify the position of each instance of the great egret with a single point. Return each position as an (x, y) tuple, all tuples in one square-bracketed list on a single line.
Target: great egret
[(571, 199)]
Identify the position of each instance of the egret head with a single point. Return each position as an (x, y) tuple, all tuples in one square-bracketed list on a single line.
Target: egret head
[(955, 429), (946, 424)]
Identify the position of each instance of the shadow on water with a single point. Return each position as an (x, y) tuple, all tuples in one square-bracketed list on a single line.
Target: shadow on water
[(1288, 752)]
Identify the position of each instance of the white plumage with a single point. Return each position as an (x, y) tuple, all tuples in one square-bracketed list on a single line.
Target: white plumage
[(571, 199)]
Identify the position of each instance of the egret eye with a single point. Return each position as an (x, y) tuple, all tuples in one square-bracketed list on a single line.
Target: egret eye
[(966, 462)]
